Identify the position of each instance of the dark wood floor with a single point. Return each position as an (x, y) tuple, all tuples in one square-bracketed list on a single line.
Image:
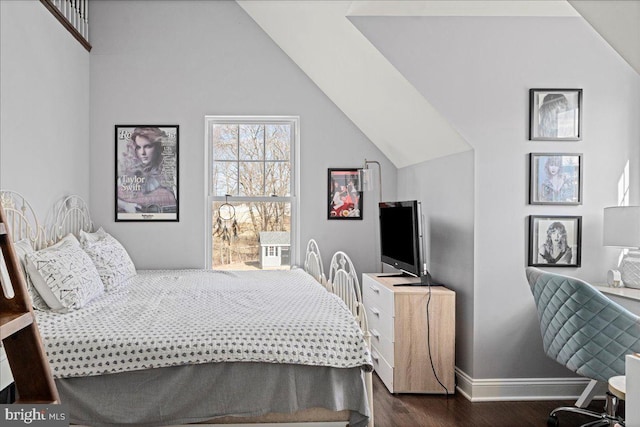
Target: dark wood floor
[(416, 410)]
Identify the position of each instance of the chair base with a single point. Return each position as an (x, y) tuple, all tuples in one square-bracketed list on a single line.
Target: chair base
[(609, 418)]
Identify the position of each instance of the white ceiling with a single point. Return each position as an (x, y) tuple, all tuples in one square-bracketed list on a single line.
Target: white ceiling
[(320, 39)]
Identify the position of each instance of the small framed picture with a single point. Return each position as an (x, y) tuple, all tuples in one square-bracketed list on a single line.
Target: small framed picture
[(555, 179), (555, 241), (555, 114), (344, 201), (146, 178)]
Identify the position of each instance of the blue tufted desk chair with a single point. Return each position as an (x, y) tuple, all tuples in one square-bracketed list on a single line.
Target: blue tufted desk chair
[(585, 331)]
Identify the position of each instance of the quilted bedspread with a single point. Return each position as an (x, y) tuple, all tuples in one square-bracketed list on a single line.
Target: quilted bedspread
[(176, 317)]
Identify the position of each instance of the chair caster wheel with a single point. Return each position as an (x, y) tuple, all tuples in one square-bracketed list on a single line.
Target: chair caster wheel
[(552, 421)]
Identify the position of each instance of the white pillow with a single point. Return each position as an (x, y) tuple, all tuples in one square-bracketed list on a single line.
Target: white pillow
[(64, 275), (24, 247), (110, 258), (92, 237)]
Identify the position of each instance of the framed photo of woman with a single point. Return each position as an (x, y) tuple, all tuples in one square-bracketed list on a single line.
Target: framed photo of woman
[(555, 241), (555, 178), (555, 114), (146, 178), (344, 199)]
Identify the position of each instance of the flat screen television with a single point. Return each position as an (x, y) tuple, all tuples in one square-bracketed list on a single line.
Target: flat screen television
[(400, 236)]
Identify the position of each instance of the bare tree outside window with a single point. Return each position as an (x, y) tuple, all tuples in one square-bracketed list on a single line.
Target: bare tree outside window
[(251, 168)]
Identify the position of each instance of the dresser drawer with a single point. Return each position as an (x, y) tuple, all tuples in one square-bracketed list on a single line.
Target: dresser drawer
[(382, 344), (381, 321), (382, 368), (377, 295)]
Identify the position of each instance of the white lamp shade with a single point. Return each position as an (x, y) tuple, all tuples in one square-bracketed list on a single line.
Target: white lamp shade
[(365, 181), (622, 226)]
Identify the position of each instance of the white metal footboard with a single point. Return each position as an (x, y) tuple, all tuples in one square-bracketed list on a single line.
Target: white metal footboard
[(343, 281)]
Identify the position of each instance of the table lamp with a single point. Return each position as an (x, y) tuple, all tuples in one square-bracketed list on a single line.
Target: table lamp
[(622, 229)]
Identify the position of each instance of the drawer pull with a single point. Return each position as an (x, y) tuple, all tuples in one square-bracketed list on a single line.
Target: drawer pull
[(375, 333), (375, 356), (375, 289), (375, 311)]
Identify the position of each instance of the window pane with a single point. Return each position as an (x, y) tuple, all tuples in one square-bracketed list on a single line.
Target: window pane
[(251, 179), (251, 142), (278, 142), (225, 178), (278, 179), (243, 242), (225, 142)]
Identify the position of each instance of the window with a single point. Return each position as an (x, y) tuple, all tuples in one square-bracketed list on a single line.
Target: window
[(251, 167)]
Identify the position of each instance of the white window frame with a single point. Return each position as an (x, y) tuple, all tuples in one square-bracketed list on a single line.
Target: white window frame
[(294, 121)]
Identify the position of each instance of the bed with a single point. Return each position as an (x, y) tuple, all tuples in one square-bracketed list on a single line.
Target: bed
[(191, 346)]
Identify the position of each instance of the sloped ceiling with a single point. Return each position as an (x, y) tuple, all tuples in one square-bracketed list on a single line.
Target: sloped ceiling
[(618, 22), (320, 39)]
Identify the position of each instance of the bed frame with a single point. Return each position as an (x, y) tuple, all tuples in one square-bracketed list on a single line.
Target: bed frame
[(313, 262), (71, 215)]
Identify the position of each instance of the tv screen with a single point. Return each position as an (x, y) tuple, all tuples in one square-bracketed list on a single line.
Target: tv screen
[(400, 236)]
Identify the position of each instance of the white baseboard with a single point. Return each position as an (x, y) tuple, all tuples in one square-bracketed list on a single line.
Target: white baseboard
[(505, 389)]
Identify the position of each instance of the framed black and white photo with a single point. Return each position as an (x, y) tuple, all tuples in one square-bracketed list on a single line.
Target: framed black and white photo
[(146, 178), (555, 114), (555, 179), (344, 199), (555, 241)]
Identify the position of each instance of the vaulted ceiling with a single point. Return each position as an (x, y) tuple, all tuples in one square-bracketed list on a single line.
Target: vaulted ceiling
[(320, 39)]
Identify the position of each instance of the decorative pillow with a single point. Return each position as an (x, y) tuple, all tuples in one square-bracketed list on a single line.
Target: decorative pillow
[(64, 275), (109, 256), (23, 248)]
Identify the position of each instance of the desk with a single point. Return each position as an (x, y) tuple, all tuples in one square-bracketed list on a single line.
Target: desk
[(629, 298)]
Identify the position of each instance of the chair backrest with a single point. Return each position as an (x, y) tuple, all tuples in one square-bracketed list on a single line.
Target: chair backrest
[(581, 328), (313, 262)]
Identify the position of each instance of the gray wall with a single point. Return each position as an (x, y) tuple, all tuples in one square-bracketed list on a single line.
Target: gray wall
[(477, 72), (44, 107), (445, 187), (175, 62)]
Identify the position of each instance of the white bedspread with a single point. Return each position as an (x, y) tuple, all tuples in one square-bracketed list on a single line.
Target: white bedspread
[(177, 317)]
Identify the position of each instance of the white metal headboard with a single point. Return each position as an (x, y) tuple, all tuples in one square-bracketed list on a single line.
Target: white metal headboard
[(22, 220), (71, 215), (313, 262)]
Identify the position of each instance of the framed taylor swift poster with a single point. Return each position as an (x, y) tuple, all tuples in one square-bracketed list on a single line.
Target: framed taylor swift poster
[(555, 114), (146, 178), (555, 241)]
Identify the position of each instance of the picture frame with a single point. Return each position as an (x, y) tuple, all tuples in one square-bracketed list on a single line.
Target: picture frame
[(555, 178), (555, 241), (555, 114), (344, 199), (146, 173)]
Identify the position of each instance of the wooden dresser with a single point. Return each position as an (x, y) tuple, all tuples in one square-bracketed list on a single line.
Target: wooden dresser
[(398, 324)]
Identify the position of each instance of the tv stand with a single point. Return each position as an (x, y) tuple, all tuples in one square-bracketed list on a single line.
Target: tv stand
[(411, 280), (401, 274), (399, 328)]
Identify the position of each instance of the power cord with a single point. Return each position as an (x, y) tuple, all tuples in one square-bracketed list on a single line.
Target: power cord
[(433, 368)]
